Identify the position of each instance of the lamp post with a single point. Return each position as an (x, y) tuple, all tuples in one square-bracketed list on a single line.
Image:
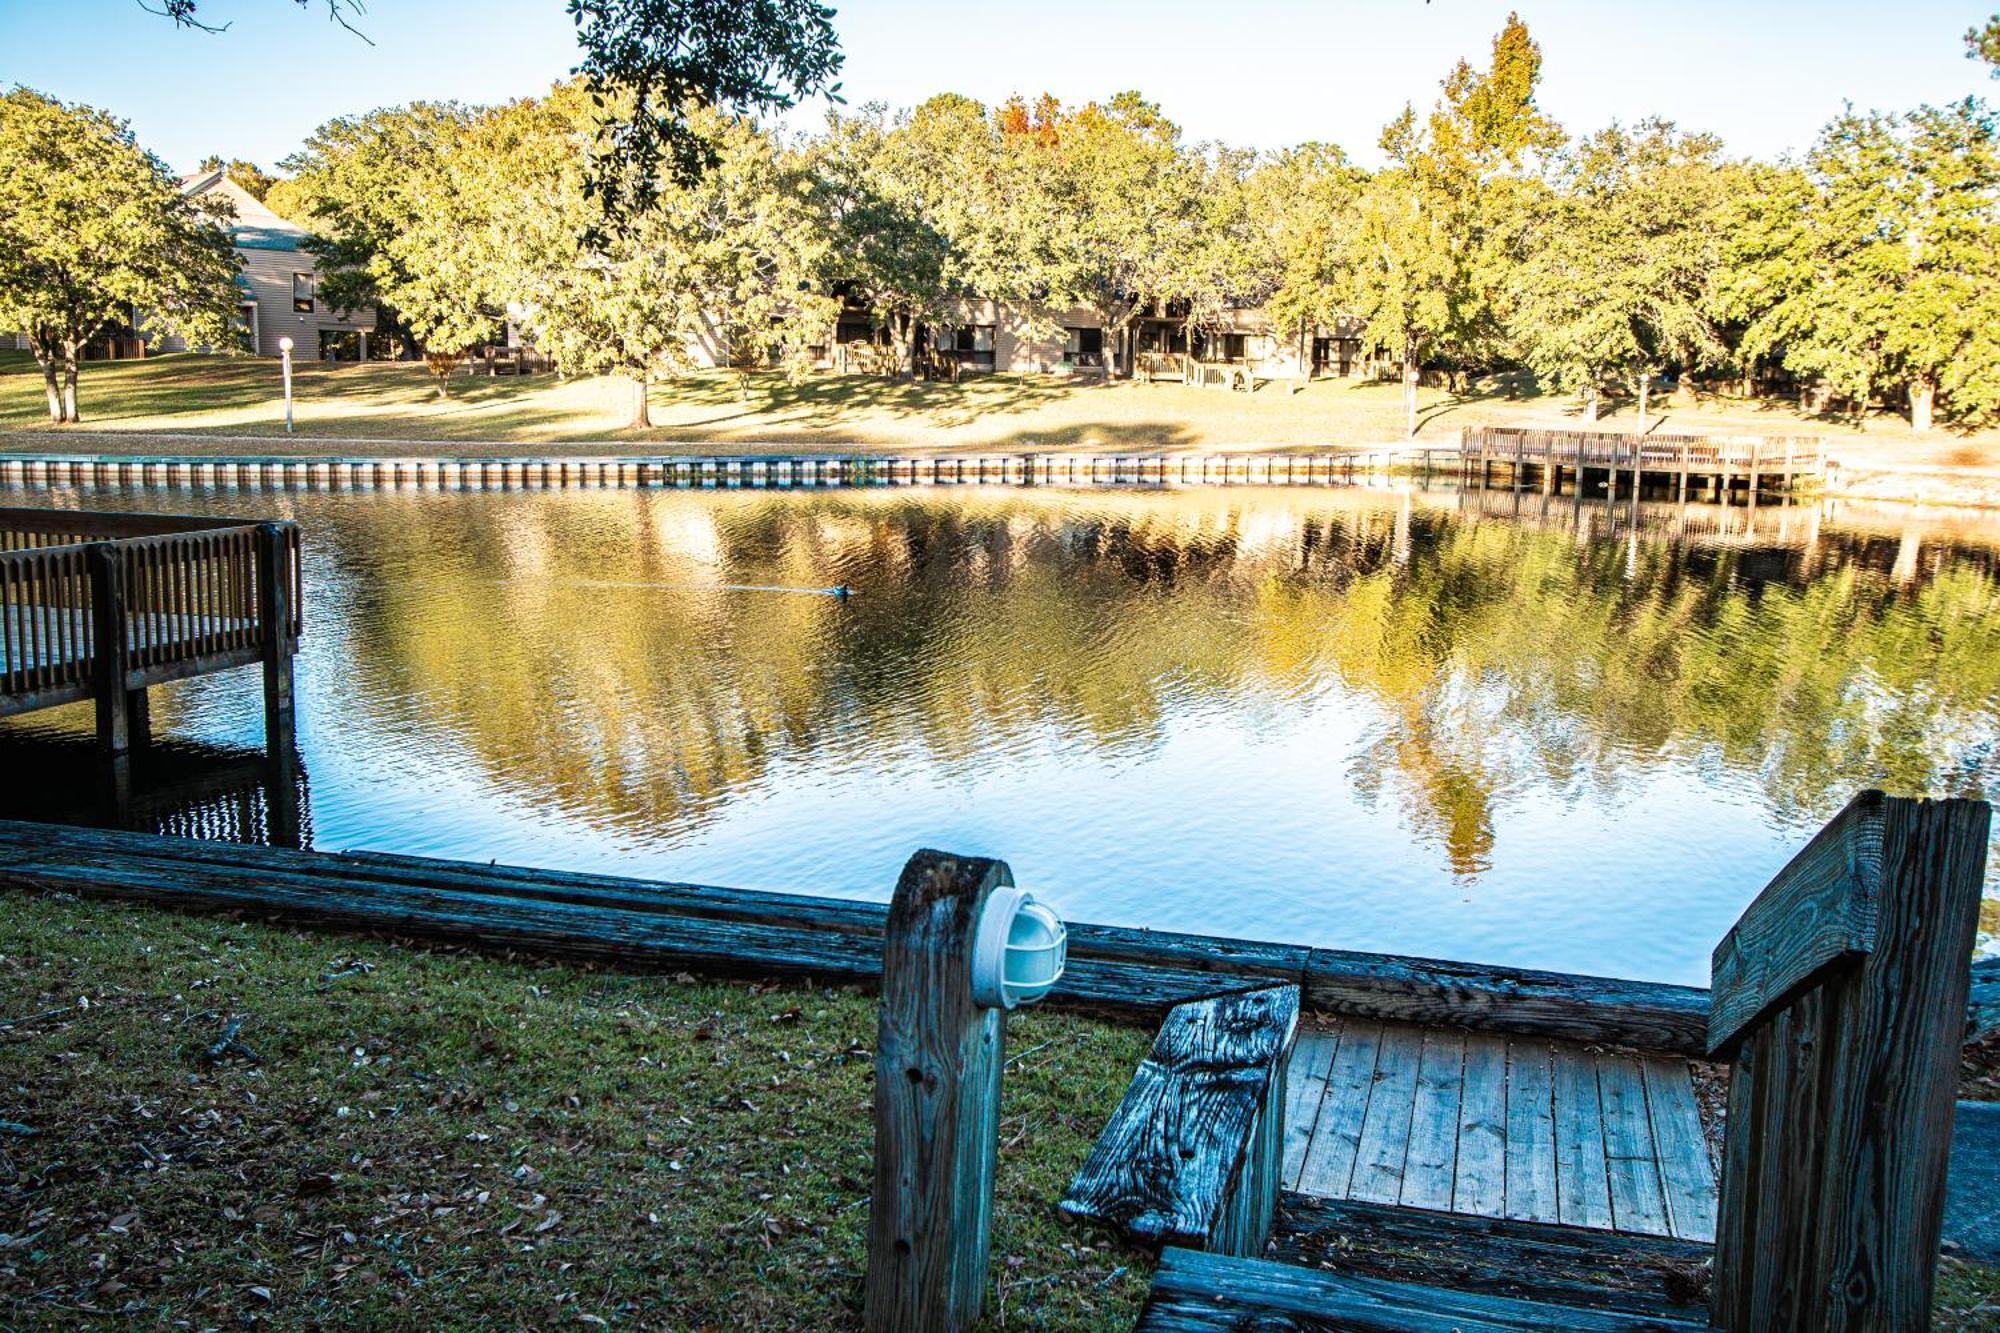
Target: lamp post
[(285, 354)]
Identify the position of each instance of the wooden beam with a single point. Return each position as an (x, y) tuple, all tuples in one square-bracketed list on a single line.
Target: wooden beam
[(1816, 913), (1648, 1015), (938, 1061), (1191, 1156), (109, 647), (1537, 1261), (1197, 1291)]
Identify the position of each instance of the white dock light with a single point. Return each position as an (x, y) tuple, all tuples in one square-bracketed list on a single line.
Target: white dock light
[(1018, 950), (285, 352)]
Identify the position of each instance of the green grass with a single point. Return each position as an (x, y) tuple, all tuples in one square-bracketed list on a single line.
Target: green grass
[(443, 1141), (382, 408)]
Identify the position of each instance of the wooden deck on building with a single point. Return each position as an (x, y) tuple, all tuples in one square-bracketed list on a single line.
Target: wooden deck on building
[(1491, 1126)]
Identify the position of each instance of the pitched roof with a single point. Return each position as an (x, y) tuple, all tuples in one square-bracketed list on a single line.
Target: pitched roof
[(255, 226)]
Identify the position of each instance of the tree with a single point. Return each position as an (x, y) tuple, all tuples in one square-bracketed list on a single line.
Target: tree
[(1102, 206), (185, 14), (648, 61), (256, 181), (1423, 268), (1612, 276), (94, 229), (889, 253), (1983, 43), (1302, 209), (359, 183), (1874, 268), (728, 260)]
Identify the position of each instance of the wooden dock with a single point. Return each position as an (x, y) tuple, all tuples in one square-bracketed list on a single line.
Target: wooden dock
[(1487, 1126), (104, 606), (1691, 465)]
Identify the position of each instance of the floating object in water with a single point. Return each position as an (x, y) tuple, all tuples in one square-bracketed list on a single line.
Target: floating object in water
[(840, 590)]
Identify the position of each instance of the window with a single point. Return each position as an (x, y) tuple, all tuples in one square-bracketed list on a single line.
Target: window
[(973, 344), (302, 293), (1085, 348), (339, 345)]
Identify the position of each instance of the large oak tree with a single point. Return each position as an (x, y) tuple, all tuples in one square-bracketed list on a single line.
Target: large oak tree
[(95, 231)]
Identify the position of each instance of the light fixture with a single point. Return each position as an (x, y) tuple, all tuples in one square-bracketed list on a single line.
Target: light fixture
[(285, 351), (1019, 949)]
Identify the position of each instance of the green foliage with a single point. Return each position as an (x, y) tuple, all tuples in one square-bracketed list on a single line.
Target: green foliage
[(1873, 268), (1424, 250), (358, 184), (94, 230), (728, 260), (649, 61), (1102, 205), (887, 247), (1983, 43), (1612, 271), (1302, 207)]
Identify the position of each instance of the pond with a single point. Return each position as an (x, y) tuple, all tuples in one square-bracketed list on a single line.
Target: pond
[(1572, 737)]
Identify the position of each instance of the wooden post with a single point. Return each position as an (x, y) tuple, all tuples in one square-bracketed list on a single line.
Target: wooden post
[(108, 647), (138, 718), (1682, 494), (274, 620), (938, 1059), (1840, 999)]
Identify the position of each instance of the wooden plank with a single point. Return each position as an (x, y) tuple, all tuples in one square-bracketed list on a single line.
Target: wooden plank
[(1192, 1290), (1305, 1093), (1687, 1175), (1538, 1261), (1819, 910), (1583, 1194), (1438, 992), (1167, 1166), (1385, 1130), (1631, 1166), (1336, 1139), (1531, 1133), (1479, 1184), (1432, 1160)]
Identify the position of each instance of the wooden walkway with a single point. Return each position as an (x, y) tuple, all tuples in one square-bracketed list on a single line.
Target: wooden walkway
[(1519, 1128)]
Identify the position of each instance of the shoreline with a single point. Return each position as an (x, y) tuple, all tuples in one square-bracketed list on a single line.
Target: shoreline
[(161, 460)]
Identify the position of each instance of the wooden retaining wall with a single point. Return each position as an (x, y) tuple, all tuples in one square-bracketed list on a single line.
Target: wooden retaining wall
[(729, 471), (638, 925)]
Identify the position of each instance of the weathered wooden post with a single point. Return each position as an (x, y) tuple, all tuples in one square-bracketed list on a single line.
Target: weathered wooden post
[(938, 1060), (274, 617), (108, 644)]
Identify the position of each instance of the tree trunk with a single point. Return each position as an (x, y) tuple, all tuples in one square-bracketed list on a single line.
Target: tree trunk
[(642, 417), (53, 382), (1923, 401), (70, 355), (1410, 375), (1645, 398), (1590, 402)]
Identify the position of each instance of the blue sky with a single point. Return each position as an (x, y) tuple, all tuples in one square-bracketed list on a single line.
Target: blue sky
[(1765, 74)]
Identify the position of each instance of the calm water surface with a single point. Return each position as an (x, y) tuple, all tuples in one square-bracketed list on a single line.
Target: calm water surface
[(1361, 719)]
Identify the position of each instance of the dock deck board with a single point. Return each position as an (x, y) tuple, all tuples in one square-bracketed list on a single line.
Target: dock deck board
[(1485, 1126)]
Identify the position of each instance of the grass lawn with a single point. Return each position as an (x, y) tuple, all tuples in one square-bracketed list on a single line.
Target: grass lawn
[(434, 1140), (384, 408)]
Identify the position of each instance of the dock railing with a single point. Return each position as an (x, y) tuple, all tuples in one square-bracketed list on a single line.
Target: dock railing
[(1772, 459), (105, 605)]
